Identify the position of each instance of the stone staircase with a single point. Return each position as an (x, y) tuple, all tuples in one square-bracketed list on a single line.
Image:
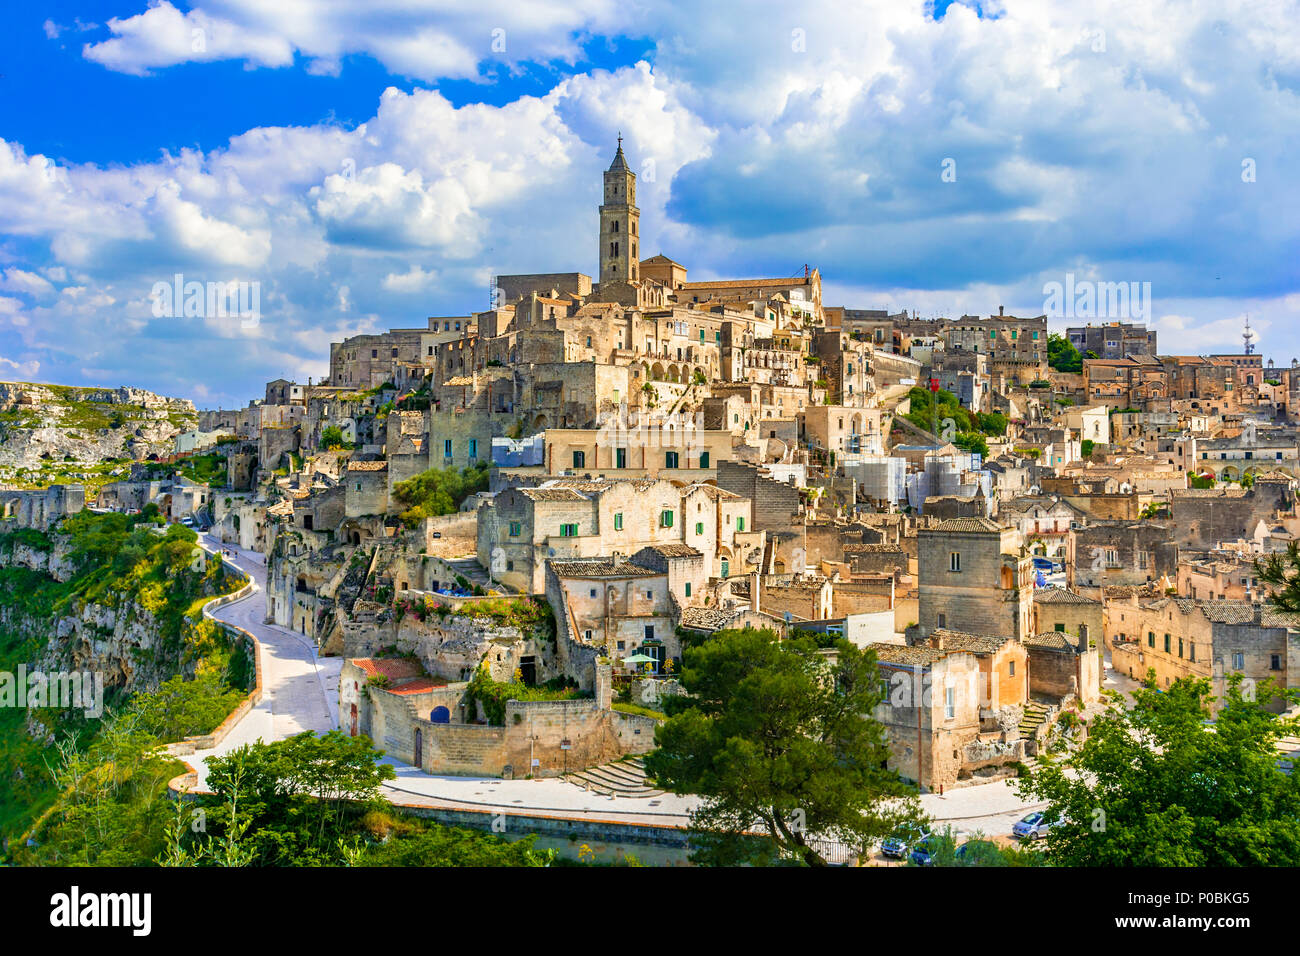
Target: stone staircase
[(1032, 720), (470, 570), (625, 778)]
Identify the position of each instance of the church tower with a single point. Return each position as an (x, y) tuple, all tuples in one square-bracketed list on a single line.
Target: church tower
[(620, 237)]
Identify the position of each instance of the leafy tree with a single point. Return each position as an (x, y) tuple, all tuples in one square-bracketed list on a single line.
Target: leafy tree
[(181, 708), (778, 740), (1063, 356), (294, 789), (439, 491), (1155, 786), (331, 437), (1282, 571)]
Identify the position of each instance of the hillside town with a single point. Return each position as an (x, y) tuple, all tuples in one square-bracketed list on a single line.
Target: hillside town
[(507, 527)]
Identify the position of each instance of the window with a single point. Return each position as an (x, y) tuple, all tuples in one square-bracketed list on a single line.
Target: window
[(1180, 647), (688, 588), (618, 521), (949, 702), (1011, 671), (649, 632), (740, 522), (704, 459), (954, 561), (726, 567), (666, 519), (943, 620), (1151, 638), (1060, 628), (670, 459), (568, 531), (446, 448), (473, 448), (1275, 662), (579, 459), (649, 595), (515, 529), (591, 593), (1166, 643), (620, 457), (1239, 661), (699, 527)]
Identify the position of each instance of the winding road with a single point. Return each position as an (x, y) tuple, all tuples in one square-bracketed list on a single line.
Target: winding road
[(300, 692)]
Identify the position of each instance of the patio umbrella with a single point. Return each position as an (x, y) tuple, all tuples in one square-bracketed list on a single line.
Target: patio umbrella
[(639, 659)]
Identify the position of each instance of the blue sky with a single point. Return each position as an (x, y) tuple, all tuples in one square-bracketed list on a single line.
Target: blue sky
[(370, 167)]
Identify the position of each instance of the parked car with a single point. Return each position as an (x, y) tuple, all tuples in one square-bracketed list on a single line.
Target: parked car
[(187, 521), (900, 843), (923, 852), (1033, 827)]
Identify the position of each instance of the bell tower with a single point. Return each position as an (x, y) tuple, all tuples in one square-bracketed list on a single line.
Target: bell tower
[(620, 232)]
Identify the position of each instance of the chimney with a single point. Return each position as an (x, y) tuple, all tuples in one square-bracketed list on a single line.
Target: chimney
[(753, 592), (936, 640), (1001, 310)]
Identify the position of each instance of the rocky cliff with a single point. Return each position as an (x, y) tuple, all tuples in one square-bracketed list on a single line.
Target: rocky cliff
[(61, 433)]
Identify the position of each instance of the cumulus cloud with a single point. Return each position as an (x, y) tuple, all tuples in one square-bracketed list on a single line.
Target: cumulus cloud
[(944, 166)]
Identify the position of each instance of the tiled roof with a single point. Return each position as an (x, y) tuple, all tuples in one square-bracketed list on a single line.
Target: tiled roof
[(420, 685), (1208, 492), (903, 654), (394, 668), (745, 283), (858, 548), (962, 641), (966, 524), (1060, 595), (600, 568), (713, 491), (675, 551), (367, 466), (1053, 640), (552, 494), (705, 618)]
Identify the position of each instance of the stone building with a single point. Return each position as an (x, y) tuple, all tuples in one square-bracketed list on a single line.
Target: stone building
[(938, 716), (1180, 637), (973, 576), (569, 518), (1105, 553)]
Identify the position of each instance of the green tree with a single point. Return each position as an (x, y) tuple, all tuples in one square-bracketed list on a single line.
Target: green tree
[(778, 741), (439, 491), (1155, 786), (331, 437), (1062, 355)]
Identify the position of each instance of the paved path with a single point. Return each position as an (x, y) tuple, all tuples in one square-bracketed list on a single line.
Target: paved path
[(299, 690)]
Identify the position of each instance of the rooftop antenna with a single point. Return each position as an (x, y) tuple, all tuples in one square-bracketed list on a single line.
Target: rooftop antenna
[(1247, 336)]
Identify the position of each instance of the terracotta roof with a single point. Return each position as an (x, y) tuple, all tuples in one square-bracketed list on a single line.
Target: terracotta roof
[(859, 548), (367, 466), (394, 668), (420, 685)]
